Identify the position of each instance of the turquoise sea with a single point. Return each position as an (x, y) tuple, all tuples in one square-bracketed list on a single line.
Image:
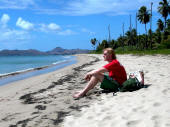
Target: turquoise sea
[(13, 68)]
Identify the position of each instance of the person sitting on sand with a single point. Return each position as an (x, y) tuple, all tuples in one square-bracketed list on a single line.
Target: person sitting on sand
[(112, 82)]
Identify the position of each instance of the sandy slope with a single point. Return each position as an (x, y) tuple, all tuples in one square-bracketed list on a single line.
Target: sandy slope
[(147, 107), (46, 100)]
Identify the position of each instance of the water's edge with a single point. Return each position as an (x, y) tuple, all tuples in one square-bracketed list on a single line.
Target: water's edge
[(20, 75)]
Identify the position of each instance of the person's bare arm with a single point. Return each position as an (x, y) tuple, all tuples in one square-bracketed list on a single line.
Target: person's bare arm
[(90, 74)]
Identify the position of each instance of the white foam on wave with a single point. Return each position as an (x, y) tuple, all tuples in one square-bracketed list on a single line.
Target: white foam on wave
[(36, 68), (67, 57), (60, 62), (16, 72)]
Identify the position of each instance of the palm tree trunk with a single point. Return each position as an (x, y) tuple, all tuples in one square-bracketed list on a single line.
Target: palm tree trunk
[(164, 36), (165, 24), (146, 37)]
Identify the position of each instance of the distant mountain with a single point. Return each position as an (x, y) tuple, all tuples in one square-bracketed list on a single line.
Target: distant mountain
[(55, 51), (61, 51), (21, 52)]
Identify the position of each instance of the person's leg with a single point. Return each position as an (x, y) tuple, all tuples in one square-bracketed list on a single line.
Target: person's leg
[(92, 83), (142, 77)]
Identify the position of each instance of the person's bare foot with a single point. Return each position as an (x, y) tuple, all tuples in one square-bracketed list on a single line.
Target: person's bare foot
[(142, 77), (78, 94)]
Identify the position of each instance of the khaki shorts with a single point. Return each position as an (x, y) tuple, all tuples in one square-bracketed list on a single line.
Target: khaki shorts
[(109, 84)]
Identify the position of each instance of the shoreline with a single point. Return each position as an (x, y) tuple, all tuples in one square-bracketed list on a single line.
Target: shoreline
[(46, 100), (23, 74), (30, 69), (33, 63)]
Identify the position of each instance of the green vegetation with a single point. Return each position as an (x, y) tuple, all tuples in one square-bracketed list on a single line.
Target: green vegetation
[(131, 50), (152, 42)]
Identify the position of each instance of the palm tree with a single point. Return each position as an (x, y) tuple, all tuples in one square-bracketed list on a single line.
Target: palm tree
[(134, 36), (168, 26), (93, 42), (160, 25), (158, 37), (144, 17), (168, 23), (164, 10), (105, 44), (120, 41), (128, 38)]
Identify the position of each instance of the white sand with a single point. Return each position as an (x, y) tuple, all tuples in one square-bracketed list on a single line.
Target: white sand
[(147, 107), (47, 99)]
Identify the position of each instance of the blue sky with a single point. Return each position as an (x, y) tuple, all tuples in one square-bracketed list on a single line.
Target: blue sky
[(70, 24)]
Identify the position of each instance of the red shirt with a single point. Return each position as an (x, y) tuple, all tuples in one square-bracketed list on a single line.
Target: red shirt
[(116, 71)]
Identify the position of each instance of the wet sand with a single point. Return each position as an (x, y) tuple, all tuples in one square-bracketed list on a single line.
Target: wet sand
[(46, 99)]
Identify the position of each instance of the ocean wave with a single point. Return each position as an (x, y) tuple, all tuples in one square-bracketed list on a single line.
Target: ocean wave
[(34, 69), (67, 57), (59, 62), (16, 72)]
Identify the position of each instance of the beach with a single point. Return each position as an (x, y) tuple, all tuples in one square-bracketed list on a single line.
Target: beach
[(46, 100)]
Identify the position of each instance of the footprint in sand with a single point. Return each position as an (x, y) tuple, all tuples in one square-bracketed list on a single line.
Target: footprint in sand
[(156, 104), (132, 123), (137, 108), (156, 120), (166, 91), (40, 107)]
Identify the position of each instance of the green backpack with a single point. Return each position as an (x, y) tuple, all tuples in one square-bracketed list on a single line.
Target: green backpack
[(131, 84)]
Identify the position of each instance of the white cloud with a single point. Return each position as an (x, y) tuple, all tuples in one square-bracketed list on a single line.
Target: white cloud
[(8, 35), (43, 28), (53, 26), (66, 32), (16, 4), (87, 31), (4, 20), (88, 7), (115, 7), (13, 36), (24, 24), (12, 39), (79, 7)]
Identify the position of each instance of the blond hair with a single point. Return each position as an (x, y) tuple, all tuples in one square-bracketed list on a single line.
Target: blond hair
[(110, 51)]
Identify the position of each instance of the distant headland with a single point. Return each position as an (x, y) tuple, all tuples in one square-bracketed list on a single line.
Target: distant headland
[(55, 51)]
